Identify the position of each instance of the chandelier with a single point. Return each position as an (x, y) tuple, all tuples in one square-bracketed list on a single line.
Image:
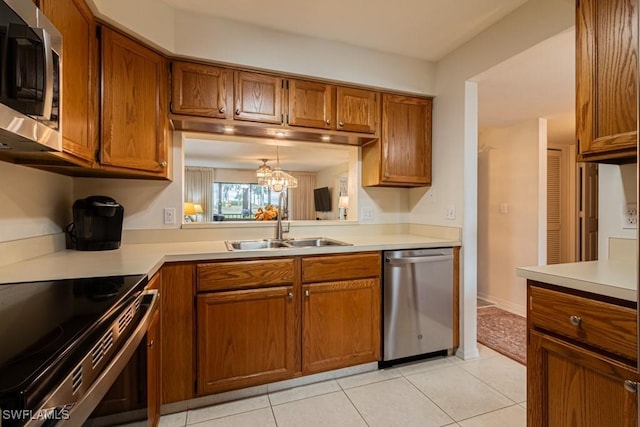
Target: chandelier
[(276, 179)]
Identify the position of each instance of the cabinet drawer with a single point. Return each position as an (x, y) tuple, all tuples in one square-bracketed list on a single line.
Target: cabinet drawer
[(244, 274), (600, 324), (340, 267)]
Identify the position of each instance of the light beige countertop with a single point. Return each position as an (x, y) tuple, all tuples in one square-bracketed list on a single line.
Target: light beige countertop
[(148, 258), (613, 278)]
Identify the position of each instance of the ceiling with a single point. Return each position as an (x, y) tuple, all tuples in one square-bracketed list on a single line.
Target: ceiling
[(539, 82), (425, 29)]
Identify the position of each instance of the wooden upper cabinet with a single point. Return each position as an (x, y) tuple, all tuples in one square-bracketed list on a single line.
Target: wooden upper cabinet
[(201, 90), (79, 115), (310, 104), (357, 110), (134, 105), (258, 97), (402, 155), (606, 80)]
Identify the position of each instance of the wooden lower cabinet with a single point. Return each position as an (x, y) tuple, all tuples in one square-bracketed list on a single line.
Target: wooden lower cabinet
[(246, 338), (571, 386), (341, 324)]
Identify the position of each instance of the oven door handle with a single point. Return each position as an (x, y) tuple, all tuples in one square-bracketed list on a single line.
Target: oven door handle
[(82, 409)]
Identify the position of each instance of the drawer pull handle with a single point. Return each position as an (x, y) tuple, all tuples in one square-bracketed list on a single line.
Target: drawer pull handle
[(290, 294), (631, 386), (307, 293), (575, 320)]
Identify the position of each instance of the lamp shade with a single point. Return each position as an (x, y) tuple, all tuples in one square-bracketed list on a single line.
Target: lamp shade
[(198, 208), (189, 208), (343, 202)]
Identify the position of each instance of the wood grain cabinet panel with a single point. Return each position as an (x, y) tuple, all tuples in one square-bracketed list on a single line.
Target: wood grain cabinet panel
[(606, 80), (244, 274), (310, 104), (177, 332), (341, 267), (79, 115), (580, 352), (201, 90), (596, 323), (402, 155), (134, 105), (341, 324), (245, 338), (569, 386), (357, 110), (258, 97)]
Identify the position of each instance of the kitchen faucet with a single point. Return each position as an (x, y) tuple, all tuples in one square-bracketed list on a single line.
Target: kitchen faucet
[(279, 230)]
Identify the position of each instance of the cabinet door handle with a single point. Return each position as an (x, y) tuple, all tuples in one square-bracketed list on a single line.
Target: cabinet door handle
[(341, 123), (328, 121), (222, 110), (290, 294), (151, 345), (307, 293), (575, 320), (631, 386), (237, 111), (163, 164)]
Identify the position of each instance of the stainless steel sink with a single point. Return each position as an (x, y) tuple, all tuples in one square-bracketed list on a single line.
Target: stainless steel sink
[(316, 241), (249, 245)]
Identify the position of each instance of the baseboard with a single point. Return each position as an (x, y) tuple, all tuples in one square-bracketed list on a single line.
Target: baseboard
[(520, 310)]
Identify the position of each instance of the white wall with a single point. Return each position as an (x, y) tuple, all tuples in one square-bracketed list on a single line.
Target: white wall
[(455, 127), (508, 177), (188, 34), (33, 202), (617, 186)]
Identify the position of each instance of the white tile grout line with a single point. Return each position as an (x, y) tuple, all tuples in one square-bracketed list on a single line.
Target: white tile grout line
[(490, 386), (355, 407), (488, 412)]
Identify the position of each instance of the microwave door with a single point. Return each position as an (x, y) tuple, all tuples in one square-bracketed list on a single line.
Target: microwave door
[(25, 70)]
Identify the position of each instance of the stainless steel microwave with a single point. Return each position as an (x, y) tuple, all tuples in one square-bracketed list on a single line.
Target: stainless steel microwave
[(30, 79)]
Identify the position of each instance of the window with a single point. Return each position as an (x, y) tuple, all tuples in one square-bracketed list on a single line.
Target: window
[(240, 201)]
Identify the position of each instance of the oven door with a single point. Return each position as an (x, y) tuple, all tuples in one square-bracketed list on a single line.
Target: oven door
[(128, 354)]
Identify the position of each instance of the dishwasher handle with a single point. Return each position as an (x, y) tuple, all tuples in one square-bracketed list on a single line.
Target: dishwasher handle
[(418, 259)]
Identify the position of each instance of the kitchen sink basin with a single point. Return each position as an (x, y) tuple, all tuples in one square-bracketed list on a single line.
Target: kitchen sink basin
[(248, 245), (316, 241)]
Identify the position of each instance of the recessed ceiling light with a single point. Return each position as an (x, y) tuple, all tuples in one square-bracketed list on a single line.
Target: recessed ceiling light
[(279, 134), (326, 138)]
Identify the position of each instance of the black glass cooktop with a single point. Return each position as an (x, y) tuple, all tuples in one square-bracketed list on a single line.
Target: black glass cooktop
[(44, 326)]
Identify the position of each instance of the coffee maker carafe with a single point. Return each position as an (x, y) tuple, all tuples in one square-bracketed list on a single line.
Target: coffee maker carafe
[(97, 224)]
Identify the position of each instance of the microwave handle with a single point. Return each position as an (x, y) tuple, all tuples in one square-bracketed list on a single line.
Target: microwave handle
[(48, 78)]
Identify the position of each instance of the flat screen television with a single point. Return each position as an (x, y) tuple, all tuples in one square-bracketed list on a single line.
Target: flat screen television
[(322, 199)]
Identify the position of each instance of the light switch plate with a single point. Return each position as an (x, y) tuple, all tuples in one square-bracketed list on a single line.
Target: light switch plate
[(169, 216)]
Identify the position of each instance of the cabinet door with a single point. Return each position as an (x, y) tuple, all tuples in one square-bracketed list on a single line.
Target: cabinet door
[(357, 110), (258, 97), (606, 78), (246, 338), (406, 140), (340, 325), (570, 386), (201, 90), (310, 104), (79, 114), (134, 105)]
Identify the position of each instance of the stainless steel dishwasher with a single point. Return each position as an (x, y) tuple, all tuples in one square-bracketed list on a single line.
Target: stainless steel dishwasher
[(418, 302)]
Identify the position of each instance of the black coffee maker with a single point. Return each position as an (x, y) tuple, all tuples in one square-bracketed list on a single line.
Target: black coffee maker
[(97, 224)]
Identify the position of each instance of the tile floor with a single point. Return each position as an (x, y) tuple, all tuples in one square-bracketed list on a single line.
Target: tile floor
[(488, 391)]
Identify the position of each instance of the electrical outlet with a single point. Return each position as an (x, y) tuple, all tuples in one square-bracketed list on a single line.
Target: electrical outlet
[(630, 216), (366, 214), (450, 212), (169, 216)]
